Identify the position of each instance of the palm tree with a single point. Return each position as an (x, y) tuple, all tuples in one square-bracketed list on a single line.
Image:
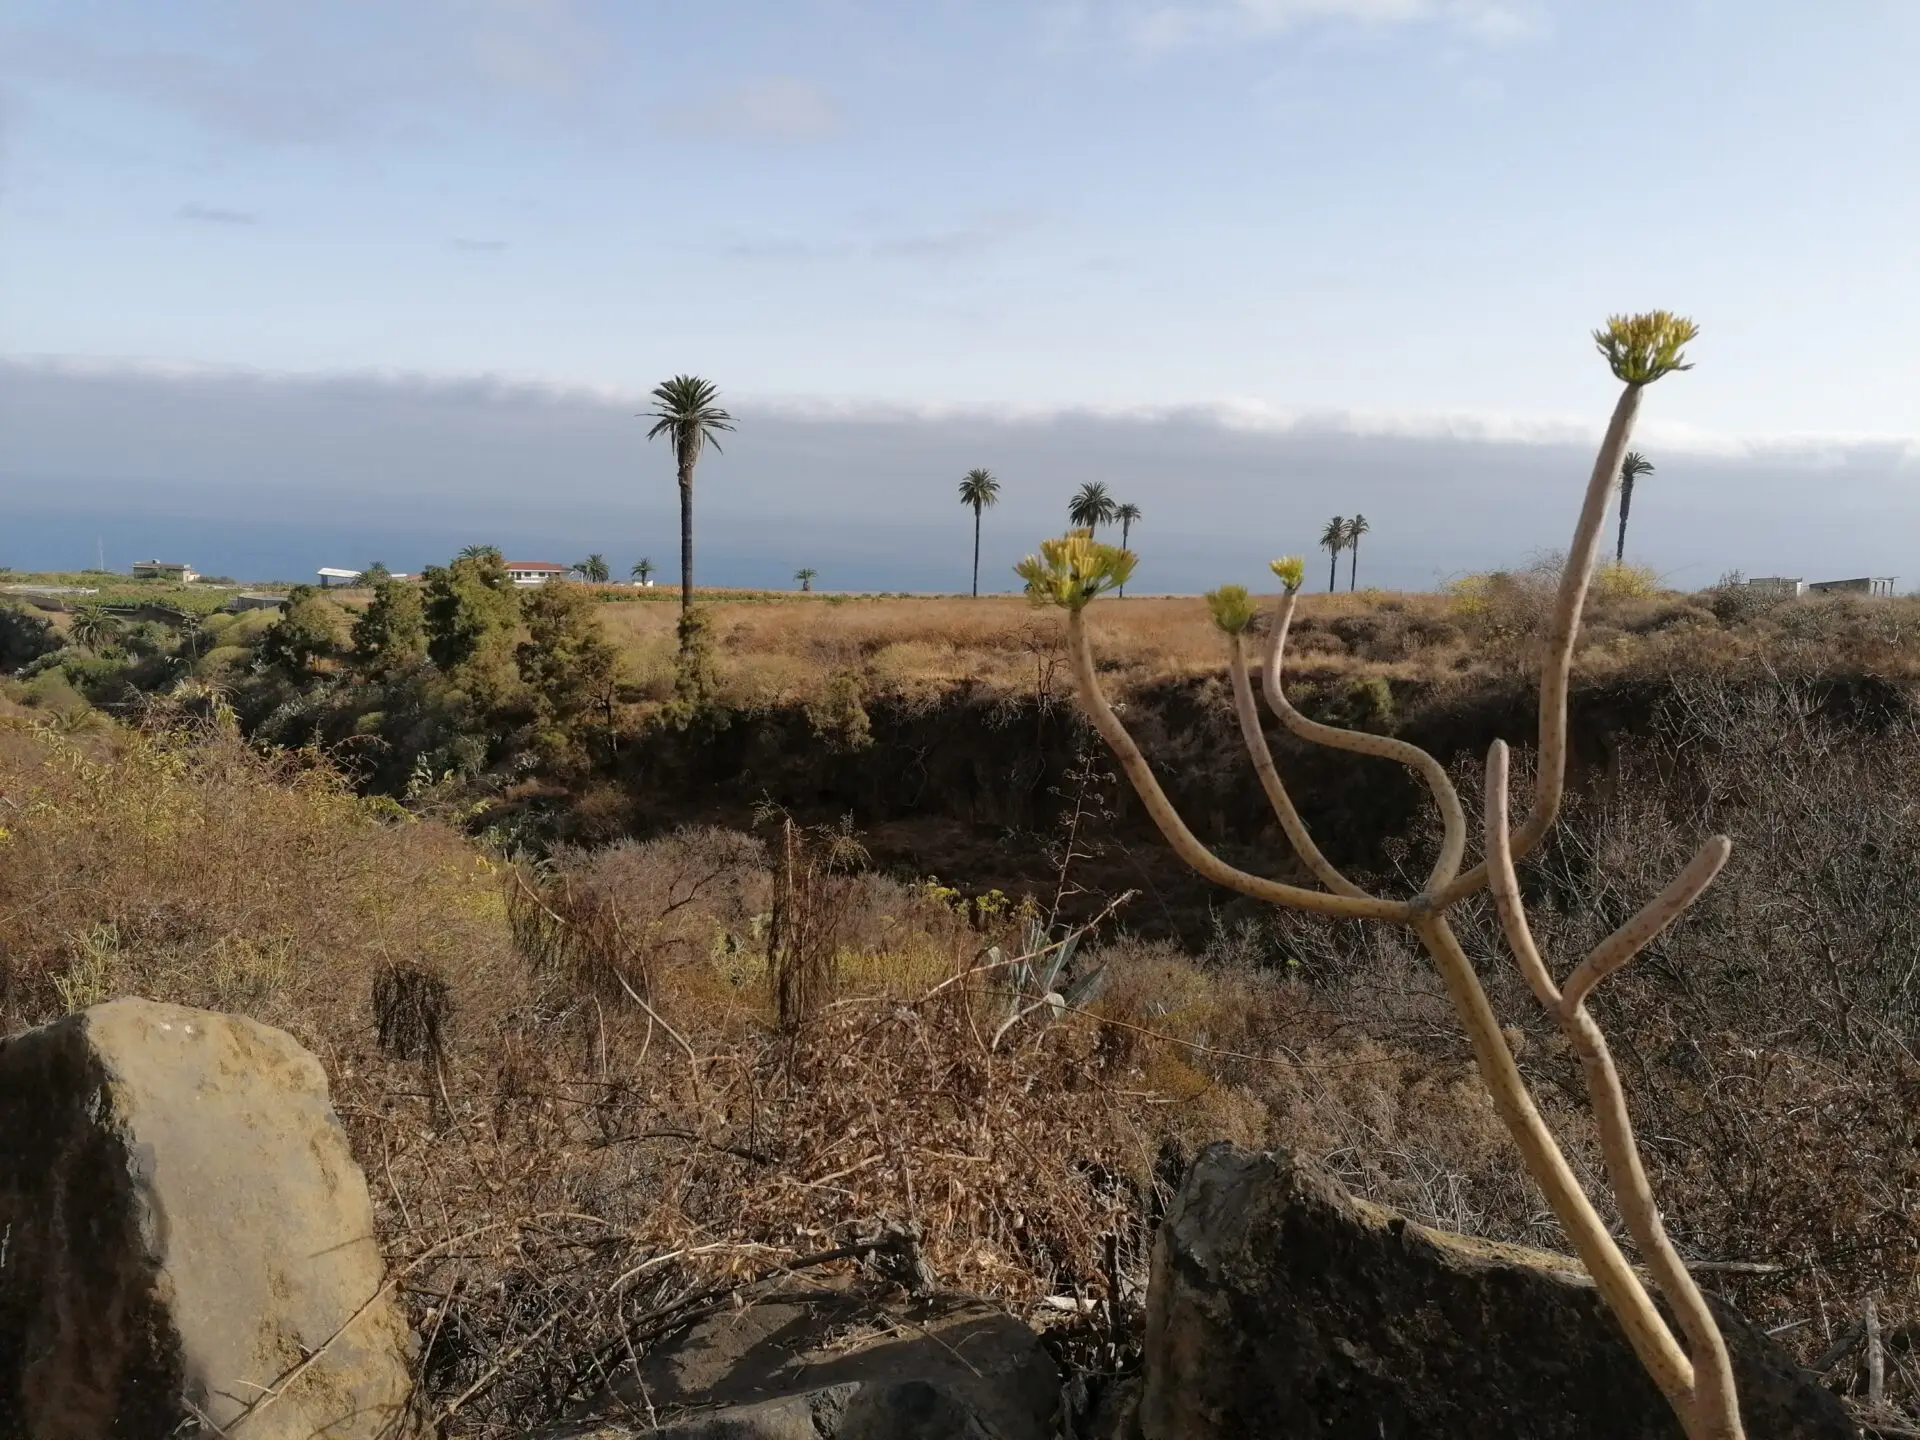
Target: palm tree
[(483, 552), (642, 570), (686, 411), (979, 489), (1090, 506), (1631, 469), (593, 569), (1334, 538), (805, 577), (375, 573), (1356, 527), (93, 627), (1126, 514)]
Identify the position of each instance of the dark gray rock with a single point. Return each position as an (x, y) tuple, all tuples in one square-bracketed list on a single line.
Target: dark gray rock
[(1281, 1308), (835, 1367)]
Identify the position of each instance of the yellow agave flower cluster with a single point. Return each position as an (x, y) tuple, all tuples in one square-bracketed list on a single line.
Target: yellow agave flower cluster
[(1292, 571), (1642, 348), (1233, 609), (1073, 569)]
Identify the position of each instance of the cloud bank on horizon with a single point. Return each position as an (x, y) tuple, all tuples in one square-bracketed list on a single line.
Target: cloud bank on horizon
[(1267, 253), (266, 476)]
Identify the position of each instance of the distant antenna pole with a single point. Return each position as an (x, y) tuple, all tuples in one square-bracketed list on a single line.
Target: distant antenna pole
[(100, 552)]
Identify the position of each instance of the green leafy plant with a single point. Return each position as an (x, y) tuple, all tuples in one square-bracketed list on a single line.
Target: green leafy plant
[(1034, 977)]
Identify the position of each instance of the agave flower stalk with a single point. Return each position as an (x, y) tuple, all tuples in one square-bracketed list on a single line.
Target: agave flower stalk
[(1697, 1379)]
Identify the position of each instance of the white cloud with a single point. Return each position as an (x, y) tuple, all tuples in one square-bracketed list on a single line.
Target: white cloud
[(1179, 23), (217, 215), (777, 109)]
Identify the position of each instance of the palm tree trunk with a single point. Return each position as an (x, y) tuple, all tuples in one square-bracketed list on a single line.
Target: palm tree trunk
[(1126, 529), (1626, 504), (976, 552), (1353, 566), (1333, 567), (686, 537)]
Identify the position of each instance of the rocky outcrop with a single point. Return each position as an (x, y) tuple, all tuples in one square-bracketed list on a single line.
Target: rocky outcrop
[(832, 1366), (186, 1245), (1281, 1308)]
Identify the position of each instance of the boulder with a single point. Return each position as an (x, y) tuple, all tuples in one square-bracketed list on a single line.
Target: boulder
[(1281, 1307), (186, 1244), (833, 1366)]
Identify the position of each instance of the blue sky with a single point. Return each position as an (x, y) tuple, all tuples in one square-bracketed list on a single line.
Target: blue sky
[(1361, 217)]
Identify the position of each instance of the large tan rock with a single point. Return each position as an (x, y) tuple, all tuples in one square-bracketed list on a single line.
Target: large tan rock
[(182, 1229), (1283, 1309)]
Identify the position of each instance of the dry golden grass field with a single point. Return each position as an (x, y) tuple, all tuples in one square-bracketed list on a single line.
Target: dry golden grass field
[(770, 653)]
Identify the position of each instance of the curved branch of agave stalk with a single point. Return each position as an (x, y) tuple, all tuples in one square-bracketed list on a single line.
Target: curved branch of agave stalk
[(1652, 918), (1619, 1287), (1556, 667), (1702, 1395), (1174, 828), (1256, 740), (1453, 819)]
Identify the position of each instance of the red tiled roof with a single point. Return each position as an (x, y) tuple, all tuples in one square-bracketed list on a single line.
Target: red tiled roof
[(535, 565)]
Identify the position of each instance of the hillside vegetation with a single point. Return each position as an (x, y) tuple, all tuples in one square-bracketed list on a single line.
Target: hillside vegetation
[(590, 1088)]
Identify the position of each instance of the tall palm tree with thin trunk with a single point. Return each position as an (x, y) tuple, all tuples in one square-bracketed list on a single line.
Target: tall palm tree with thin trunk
[(1356, 527), (686, 410), (979, 489), (1091, 506), (1632, 467), (1126, 514), (1334, 538)]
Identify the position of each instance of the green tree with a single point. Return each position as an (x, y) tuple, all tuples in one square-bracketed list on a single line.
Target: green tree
[(375, 573), (643, 570), (93, 628), (979, 489), (1356, 527), (1091, 507), (1632, 467), (805, 577), (594, 570), (307, 633), (569, 668), (1334, 539), (686, 410), (391, 633), (472, 611), (1126, 514), (483, 552), (24, 637)]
